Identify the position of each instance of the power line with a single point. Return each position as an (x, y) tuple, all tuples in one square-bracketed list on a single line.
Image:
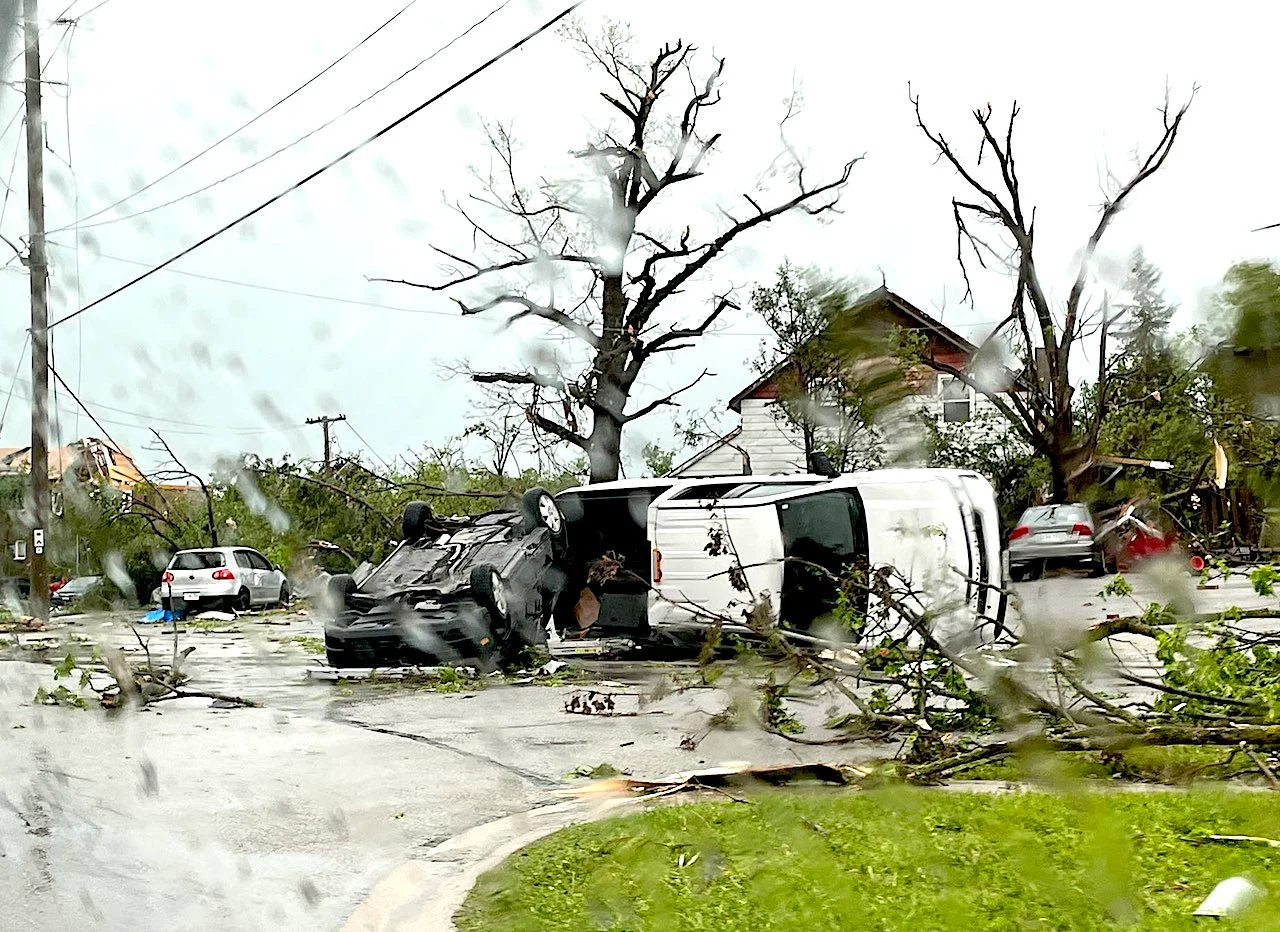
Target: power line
[(275, 290), (16, 367), (170, 420), (286, 146), (324, 168), (205, 151), (43, 68), (368, 446), (88, 12)]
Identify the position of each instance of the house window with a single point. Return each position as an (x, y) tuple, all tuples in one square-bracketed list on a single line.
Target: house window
[(19, 550), (957, 406)]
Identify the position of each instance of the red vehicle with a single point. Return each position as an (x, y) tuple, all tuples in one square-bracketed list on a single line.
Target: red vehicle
[(1129, 540)]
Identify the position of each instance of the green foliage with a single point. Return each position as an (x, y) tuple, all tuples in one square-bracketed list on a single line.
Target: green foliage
[(1263, 579), (773, 709), (1229, 668), (309, 643), (987, 445), (658, 460), (598, 772), (1246, 361), (1117, 587), (892, 859), (276, 507), (842, 366)]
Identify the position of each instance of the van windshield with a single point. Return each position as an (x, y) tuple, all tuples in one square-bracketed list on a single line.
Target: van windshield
[(823, 535)]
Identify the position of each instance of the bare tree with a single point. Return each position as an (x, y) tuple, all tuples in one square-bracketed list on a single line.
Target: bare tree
[(173, 470), (1040, 407), (586, 264)]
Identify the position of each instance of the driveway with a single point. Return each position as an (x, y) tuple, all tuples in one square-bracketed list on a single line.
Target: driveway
[(191, 817)]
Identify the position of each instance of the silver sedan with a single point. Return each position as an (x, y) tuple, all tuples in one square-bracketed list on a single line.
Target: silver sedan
[(1063, 535)]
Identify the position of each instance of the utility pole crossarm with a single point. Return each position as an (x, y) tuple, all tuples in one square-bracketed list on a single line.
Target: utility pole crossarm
[(325, 422)]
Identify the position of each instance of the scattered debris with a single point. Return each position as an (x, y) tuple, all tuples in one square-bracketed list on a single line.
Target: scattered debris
[(1248, 840), (591, 702), (1230, 898), (719, 778), (332, 674), (552, 667), (592, 647), (38, 641), (22, 623), (158, 616), (598, 772), (216, 616)]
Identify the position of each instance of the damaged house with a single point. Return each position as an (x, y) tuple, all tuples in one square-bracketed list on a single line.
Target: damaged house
[(83, 462), (774, 431)]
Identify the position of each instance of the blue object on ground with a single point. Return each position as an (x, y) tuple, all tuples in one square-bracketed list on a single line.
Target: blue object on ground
[(157, 615)]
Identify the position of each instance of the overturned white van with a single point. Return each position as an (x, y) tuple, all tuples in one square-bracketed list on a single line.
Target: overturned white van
[(697, 550)]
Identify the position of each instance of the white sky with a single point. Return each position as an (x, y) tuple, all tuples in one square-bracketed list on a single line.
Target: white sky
[(222, 368)]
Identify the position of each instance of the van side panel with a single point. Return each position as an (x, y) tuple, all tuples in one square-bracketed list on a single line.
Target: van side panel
[(693, 576)]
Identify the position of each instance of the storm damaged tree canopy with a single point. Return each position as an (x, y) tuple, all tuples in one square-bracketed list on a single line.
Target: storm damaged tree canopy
[(1042, 333), (834, 365), (586, 257)]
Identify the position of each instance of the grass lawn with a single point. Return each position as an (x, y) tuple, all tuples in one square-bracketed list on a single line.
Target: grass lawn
[(894, 859)]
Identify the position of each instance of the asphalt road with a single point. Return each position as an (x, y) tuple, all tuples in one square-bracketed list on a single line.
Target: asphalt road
[(288, 816)]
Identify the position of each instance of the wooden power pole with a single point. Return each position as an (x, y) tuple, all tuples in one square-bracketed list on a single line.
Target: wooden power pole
[(324, 423), (37, 265)]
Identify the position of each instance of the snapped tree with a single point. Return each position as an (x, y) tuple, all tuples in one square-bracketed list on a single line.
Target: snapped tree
[(581, 256), (1043, 334)]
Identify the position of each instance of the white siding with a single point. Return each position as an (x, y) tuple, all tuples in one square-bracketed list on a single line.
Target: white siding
[(777, 446), (720, 460)]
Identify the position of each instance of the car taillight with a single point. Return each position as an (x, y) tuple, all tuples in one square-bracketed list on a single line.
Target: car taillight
[(167, 577), (1082, 529), (223, 574), (657, 565), (1021, 531)]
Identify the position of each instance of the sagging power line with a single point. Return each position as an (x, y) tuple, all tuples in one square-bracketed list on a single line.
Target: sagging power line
[(328, 165)]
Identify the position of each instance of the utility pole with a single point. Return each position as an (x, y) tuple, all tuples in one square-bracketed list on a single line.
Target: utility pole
[(324, 423), (37, 265)]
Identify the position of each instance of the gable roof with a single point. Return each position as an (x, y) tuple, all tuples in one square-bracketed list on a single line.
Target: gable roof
[(706, 451), (896, 304)]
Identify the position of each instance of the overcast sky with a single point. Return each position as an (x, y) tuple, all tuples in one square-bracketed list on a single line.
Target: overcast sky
[(222, 367)]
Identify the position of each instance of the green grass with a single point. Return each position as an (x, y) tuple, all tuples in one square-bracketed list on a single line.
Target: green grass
[(894, 859), (1177, 765)]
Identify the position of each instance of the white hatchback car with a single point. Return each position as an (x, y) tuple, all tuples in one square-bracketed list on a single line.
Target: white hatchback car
[(231, 577)]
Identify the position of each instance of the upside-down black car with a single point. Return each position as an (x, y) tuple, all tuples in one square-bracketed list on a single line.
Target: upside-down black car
[(476, 588)]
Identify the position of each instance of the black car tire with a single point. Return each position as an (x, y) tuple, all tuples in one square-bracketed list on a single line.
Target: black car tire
[(1098, 566), (242, 601), (486, 593), (283, 601), (539, 509), (336, 590), (508, 641), (418, 518)]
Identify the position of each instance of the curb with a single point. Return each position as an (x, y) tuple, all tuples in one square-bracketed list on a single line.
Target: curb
[(411, 899)]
